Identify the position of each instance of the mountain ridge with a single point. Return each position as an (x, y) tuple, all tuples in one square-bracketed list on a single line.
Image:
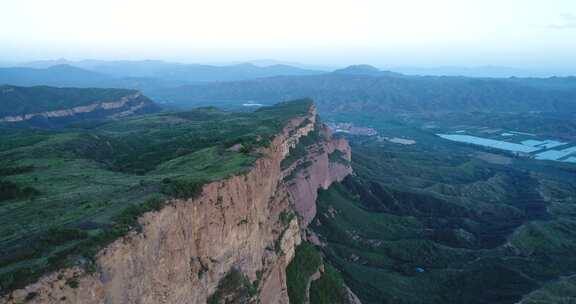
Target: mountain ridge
[(357, 92), (50, 106), (158, 69)]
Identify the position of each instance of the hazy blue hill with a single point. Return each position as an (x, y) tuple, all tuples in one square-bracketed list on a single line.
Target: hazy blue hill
[(58, 75), (148, 76), (269, 62), (181, 72), (43, 64), (366, 70), (356, 92), (65, 75), (196, 72), (552, 83), (485, 71)]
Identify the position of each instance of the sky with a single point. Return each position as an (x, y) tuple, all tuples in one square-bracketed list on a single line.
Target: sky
[(515, 33)]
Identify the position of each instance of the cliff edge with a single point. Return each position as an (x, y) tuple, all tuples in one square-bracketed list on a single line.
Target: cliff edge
[(230, 244)]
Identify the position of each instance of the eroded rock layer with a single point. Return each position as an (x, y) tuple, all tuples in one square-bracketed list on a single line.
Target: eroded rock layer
[(134, 103)]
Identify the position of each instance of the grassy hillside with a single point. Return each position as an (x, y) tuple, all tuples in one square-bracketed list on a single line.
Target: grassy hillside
[(327, 289), (64, 194), (434, 222)]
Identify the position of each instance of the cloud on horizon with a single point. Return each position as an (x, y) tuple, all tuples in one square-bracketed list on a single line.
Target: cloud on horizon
[(566, 21)]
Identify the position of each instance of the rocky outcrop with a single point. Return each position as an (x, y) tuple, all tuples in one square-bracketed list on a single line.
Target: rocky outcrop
[(249, 223), (319, 172)]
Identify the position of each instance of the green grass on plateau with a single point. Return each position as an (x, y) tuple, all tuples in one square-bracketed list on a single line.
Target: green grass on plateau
[(66, 193)]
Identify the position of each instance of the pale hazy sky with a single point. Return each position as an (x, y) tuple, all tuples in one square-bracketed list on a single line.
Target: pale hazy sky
[(385, 32)]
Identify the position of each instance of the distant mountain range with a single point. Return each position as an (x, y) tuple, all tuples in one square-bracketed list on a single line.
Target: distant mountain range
[(58, 75), (354, 88), (485, 71), (177, 71), (365, 70), (271, 67), (365, 88)]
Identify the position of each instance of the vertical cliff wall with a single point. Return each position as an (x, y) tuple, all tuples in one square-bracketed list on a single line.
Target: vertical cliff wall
[(325, 161), (231, 243)]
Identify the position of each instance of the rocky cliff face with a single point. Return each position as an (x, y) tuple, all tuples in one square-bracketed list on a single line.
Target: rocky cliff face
[(247, 225), (320, 172)]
